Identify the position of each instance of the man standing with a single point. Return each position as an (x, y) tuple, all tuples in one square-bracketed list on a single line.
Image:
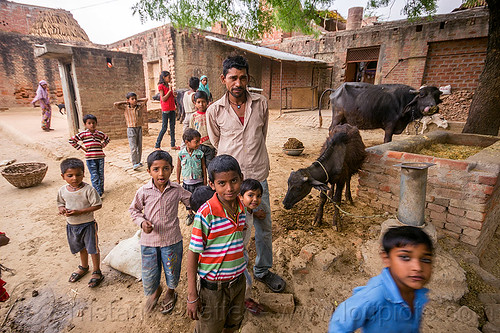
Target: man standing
[(237, 125)]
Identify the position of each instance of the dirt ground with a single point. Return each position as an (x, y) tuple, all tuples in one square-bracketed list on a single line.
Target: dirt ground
[(39, 254)]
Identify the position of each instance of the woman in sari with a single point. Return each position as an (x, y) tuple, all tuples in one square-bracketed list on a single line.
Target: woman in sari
[(204, 87), (42, 96)]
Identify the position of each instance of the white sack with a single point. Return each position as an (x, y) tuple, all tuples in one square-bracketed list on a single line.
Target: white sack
[(126, 256)]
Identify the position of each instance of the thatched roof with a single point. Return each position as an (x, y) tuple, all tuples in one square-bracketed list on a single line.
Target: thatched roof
[(58, 24)]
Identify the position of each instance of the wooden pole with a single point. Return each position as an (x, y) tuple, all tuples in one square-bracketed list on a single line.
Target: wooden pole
[(281, 86)]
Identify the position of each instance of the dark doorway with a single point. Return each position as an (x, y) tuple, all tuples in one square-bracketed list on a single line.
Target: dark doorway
[(362, 64)]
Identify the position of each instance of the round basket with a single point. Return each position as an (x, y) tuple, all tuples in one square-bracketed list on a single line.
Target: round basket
[(25, 174)]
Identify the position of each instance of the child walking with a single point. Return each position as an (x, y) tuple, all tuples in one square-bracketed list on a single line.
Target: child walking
[(167, 101), (78, 201), (154, 209), (191, 165), (189, 102), (92, 143), (134, 111), (251, 196), (199, 123), (394, 300), (216, 253)]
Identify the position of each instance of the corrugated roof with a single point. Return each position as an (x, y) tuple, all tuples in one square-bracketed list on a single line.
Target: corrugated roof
[(266, 52)]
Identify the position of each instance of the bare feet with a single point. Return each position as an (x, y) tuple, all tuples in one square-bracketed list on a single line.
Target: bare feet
[(153, 300)]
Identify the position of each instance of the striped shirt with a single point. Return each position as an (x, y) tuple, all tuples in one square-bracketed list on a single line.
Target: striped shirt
[(198, 121), (92, 142), (133, 115), (219, 241), (161, 209)]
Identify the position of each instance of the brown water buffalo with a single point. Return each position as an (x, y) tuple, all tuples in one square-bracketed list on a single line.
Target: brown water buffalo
[(341, 157), (388, 106)]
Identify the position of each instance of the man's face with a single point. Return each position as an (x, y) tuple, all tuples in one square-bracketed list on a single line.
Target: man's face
[(236, 81)]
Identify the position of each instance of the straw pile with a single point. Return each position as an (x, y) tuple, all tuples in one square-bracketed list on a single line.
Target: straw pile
[(58, 25)]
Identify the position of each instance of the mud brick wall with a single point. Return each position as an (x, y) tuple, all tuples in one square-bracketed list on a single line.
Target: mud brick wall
[(21, 71), (99, 86), (462, 196), (404, 47)]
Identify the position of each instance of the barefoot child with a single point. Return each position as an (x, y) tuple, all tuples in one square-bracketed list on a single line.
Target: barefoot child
[(188, 101), (78, 201), (394, 300), (191, 164), (216, 253), (134, 109), (93, 141), (251, 196), (154, 209), (199, 122)]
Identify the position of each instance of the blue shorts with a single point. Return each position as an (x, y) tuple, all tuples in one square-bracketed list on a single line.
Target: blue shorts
[(153, 258), (82, 236)]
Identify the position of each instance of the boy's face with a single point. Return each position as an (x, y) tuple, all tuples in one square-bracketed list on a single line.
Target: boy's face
[(227, 185), (410, 266), (236, 81), (74, 177), (252, 199), (160, 171), (193, 144), (201, 104), (132, 101), (91, 125)]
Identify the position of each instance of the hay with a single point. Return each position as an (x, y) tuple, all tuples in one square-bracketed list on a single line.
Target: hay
[(58, 25)]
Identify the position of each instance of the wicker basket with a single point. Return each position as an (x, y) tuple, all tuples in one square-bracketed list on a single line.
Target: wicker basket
[(25, 174)]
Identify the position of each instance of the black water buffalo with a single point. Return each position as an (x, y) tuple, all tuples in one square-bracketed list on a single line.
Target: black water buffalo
[(341, 157), (388, 106), (180, 105)]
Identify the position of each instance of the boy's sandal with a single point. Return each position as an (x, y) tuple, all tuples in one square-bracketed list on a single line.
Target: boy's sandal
[(94, 282), (75, 276), (166, 308), (273, 281), (253, 307)]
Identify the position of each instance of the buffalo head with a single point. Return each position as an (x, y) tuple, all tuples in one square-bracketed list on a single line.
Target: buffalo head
[(425, 102), (300, 184)]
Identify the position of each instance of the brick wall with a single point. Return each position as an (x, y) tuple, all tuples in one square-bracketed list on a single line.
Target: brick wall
[(21, 71), (458, 62), (403, 45), (462, 196), (100, 86)]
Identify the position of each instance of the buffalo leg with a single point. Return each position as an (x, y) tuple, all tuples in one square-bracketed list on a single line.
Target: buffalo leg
[(388, 135), (348, 196), (319, 212), (337, 198)]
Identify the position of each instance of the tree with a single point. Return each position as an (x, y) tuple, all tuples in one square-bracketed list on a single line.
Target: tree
[(484, 112), (243, 18)]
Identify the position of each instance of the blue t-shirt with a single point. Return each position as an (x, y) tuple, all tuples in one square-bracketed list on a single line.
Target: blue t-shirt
[(192, 172), (378, 307)]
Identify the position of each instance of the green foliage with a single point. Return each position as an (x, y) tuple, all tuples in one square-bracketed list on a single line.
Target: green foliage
[(243, 18), (412, 8)]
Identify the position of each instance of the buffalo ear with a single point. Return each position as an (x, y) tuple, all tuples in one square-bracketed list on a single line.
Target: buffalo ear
[(319, 185), (413, 91)]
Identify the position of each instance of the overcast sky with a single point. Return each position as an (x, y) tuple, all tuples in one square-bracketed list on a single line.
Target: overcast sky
[(107, 21)]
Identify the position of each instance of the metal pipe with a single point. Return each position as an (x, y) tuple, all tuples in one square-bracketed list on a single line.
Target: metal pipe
[(411, 210)]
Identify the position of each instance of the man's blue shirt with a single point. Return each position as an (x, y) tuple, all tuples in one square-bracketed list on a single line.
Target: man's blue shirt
[(378, 307)]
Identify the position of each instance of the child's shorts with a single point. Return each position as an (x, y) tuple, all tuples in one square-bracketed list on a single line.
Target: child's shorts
[(223, 308), (83, 236), (153, 258)]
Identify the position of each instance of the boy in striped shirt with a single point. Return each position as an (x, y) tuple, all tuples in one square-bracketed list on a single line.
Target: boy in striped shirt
[(92, 143), (216, 253)]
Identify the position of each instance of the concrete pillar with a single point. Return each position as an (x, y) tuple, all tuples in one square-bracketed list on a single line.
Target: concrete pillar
[(354, 18)]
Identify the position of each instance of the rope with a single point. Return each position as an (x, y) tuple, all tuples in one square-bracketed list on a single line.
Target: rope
[(356, 216), (326, 173)]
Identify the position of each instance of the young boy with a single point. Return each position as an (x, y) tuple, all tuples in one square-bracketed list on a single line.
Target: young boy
[(394, 300), (154, 209), (134, 110), (216, 253), (191, 164), (188, 100), (78, 201), (199, 123), (251, 196), (93, 141)]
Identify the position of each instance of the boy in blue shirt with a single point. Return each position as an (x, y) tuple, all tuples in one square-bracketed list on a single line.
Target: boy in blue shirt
[(394, 300)]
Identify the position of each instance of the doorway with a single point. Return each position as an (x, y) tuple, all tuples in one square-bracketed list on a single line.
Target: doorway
[(362, 64)]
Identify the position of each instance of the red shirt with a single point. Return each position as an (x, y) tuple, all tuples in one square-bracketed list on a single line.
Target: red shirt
[(169, 104)]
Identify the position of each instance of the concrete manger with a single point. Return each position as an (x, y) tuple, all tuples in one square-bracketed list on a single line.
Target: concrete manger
[(463, 196)]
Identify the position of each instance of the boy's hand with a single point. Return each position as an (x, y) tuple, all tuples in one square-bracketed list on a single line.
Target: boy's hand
[(147, 227), (62, 210), (192, 309), (70, 212), (260, 214)]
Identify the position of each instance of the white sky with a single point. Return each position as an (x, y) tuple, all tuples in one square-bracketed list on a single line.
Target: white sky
[(107, 21)]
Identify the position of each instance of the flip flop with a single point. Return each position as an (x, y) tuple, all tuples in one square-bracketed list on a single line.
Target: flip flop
[(272, 281), (75, 276), (253, 307), (166, 308), (94, 282), (175, 148)]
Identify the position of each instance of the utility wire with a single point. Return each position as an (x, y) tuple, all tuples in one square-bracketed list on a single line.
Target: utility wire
[(94, 5)]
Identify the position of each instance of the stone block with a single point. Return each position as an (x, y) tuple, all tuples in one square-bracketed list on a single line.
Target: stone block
[(298, 266), (467, 316), (279, 303), (309, 251), (324, 259), (491, 328), (489, 298), (493, 313)]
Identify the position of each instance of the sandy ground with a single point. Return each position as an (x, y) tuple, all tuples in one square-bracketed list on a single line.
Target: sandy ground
[(39, 254)]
